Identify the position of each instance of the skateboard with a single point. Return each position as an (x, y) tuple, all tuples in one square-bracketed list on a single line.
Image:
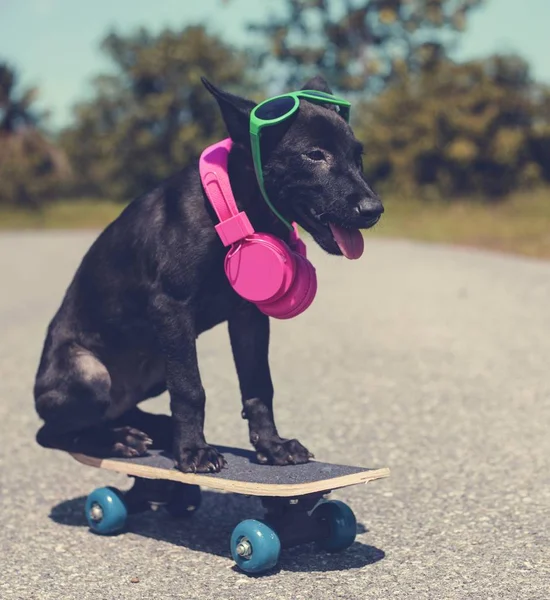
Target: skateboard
[(294, 498)]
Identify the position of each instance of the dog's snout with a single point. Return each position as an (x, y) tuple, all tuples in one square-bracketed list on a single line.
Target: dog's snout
[(369, 207)]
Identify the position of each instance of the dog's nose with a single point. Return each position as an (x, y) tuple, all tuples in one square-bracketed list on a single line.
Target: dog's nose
[(369, 207)]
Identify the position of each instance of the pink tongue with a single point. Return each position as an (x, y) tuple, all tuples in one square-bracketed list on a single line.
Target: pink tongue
[(350, 241)]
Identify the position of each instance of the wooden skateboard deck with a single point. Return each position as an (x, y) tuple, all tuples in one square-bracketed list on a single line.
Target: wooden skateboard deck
[(243, 474)]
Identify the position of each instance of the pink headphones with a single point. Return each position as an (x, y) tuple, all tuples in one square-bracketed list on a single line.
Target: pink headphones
[(261, 268)]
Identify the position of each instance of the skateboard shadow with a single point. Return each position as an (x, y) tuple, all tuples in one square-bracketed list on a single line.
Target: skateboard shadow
[(210, 529)]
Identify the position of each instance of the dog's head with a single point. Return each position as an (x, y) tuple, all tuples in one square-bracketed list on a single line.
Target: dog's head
[(313, 171)]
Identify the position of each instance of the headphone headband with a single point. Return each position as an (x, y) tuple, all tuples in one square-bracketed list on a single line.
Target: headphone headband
[(233, 225)]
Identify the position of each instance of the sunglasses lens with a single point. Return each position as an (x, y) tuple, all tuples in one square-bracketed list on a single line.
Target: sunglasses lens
[(275, 108)]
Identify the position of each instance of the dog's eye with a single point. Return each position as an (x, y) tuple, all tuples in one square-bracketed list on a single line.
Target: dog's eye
[(316, 155)]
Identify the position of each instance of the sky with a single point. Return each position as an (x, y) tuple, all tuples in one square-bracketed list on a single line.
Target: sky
[(55, 43)]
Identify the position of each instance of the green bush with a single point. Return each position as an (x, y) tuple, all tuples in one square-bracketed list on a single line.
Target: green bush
[(32, 168), (476, 128)]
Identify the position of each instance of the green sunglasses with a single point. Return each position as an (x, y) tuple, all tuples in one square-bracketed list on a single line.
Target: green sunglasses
[(276, 110)]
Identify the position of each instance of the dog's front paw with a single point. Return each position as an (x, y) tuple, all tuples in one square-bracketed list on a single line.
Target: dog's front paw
[(205, 459), (282, 452)]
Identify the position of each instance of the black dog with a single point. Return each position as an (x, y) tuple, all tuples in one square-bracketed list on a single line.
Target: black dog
[(154, 280)]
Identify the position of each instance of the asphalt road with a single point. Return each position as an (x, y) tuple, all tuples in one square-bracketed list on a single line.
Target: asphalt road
[(433, 361)]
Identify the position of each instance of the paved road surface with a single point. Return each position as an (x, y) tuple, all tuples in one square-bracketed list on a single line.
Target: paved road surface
[(433, 361)]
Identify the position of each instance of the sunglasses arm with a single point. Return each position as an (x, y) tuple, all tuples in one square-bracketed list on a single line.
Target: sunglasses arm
[(256, 159)]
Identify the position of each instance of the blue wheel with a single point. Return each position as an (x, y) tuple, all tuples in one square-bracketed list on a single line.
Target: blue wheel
[(106, 511), (341, 524), (255, 546)]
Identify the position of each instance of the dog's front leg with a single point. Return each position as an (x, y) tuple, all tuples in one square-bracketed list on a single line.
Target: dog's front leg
[(249, 335), (174, 323)]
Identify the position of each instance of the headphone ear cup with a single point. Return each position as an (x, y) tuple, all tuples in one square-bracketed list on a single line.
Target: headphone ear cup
[(261, 268), (299, 296)]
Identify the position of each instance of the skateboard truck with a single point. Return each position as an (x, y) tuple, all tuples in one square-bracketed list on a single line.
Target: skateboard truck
[(293, 521)]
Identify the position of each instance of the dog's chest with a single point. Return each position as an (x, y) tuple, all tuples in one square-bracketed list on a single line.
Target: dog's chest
[(215, 305)]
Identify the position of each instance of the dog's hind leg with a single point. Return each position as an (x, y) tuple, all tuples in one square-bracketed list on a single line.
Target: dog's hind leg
[(160, 428), (73, 396)]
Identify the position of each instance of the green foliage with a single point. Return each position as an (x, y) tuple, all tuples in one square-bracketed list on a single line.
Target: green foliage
[(31, 167), (431, 127), (464, 129), (153, 115), (480, 128), (361, 44)]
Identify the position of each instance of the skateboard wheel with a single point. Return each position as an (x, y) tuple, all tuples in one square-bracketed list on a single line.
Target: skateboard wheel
[(341, 523), (185, 500), (255, 546), (106, 511)]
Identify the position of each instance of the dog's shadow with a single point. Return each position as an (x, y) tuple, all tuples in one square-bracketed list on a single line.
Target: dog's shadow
[(209, 531)]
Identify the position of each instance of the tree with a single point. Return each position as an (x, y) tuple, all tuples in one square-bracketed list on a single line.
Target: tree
[(539, 143), (153, 115), (464, 129), (31, 167), (361, 45)]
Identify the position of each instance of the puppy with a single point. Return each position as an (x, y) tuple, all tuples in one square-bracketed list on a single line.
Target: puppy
[(154, 280)]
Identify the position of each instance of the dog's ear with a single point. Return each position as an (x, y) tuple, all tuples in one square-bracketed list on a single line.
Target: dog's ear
[(317, 83), (235, 112)]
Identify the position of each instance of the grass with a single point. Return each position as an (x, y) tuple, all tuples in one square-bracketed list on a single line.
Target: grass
[(66, 214), (521, 225)]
